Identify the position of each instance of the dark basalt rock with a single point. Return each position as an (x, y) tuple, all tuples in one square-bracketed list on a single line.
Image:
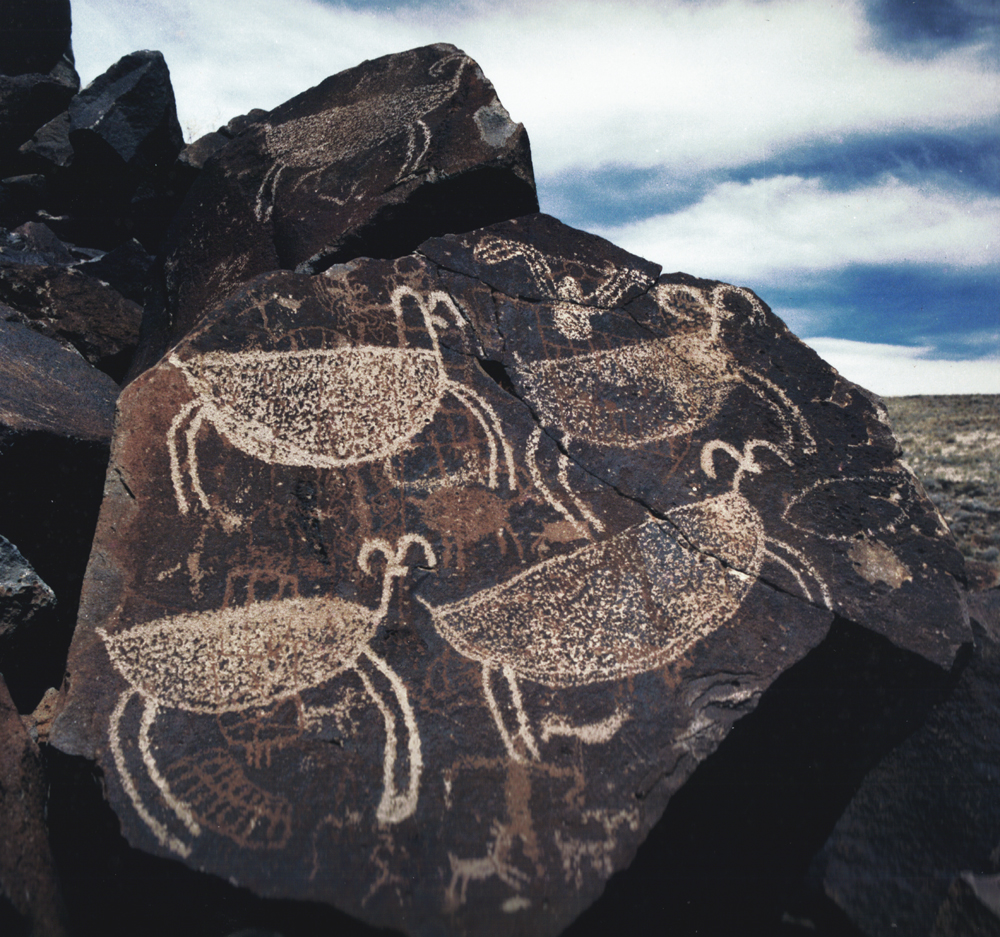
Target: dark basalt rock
[(422, 585), (79, 311), (127, 116), (26, 103), (917, 850), (34, 35), (109, 157), (28, 877), (972, 908), (126, 269), (370, 162), (34, 243), (22, 593), (56, 413), (49, 150), (193, 157)]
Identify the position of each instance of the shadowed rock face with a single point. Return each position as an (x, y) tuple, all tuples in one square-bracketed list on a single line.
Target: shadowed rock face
[(421, 585), (27, 873), (56, 413), (918, 848), (370, 162), (35, 35)]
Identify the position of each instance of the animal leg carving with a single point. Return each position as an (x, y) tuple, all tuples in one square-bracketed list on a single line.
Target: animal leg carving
[(164, 837), (395, 806)]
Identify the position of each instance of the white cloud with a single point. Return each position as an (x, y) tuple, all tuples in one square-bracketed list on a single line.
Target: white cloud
[(229, 56), (687, 86), (898, 370), (771, 229)]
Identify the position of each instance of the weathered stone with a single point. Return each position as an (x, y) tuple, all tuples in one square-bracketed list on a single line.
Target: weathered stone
[(27, 873), (77, 310), (46, 389), (110, 156), (127, 117), (22, 592), (928, 814), (37, 244), (49, 149), (972, 908), (27, 102), (56, 413), (126, 269), (193, 157), (368, 163), (421, 586), (34, 35)]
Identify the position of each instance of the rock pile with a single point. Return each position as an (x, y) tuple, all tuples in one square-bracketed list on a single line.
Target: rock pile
[(445, 554)]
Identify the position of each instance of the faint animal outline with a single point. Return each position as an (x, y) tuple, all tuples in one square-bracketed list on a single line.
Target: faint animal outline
[(417, 376), (738, 560), (169, 663), (300, 136)]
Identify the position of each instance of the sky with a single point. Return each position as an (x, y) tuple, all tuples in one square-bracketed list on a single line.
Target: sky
[(839, 157)]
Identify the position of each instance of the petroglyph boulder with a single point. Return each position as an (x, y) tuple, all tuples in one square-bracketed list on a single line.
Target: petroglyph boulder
[(422, 584), (368, 163)]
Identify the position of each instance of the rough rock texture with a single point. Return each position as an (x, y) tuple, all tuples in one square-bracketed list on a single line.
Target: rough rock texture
[(972, 908), (77, 310), (420, 586), (56, 414), (126, 269), (108, 159), (918, 849), (22, 592), (35, 35), (193, 157), (27, 102), (370, 162), (127, 116), (27, 873), (36, 244)]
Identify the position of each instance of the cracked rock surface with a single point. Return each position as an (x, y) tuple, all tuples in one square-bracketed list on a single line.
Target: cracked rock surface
[(422, 584)]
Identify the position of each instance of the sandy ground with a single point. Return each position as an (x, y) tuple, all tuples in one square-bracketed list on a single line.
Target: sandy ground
[(952, 443)]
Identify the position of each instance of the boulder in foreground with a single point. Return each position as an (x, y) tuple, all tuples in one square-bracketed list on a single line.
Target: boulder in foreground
[(421, 585)]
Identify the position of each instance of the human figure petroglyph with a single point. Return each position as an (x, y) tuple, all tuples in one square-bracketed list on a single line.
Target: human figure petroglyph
[(573, 309), (330, 408), (237, 660), (619, 607), (575, 852), (315, 142)]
